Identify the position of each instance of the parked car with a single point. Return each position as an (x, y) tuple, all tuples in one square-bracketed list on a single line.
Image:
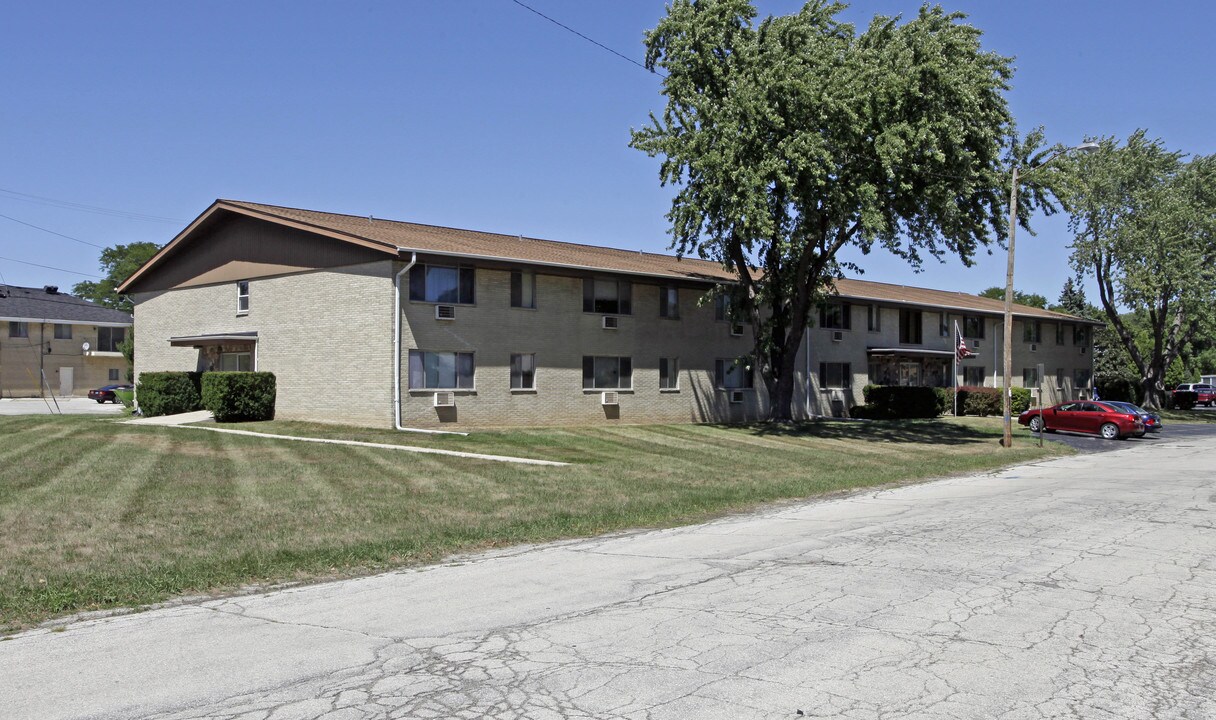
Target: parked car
[(1084, 416), (106, 394), (1151, 420), (1205, 394)]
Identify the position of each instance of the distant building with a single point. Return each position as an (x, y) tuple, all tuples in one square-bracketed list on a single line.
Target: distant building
[(373, 322), (54, 343)]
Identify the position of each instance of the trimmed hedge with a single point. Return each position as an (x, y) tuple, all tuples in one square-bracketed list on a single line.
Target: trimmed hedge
[(897, 402), (168, 393), (1019, 400), (976, 400), (239, 396)]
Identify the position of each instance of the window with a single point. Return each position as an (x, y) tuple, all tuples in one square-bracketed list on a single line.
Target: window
[(236, 362), (1080, 335), (607, 296), (607, 373), (834, 375), (1032, 331), (440, 284), (441, 370), (1060, 375), (1059, 333), (523, 371), (1030, 377), (242, 296), (669, 373), (873, 318), (835, 316), (973, 326), (722, 307), (18, 330), (1081, 378), (523, 289), (973, 376), (63, 332), (669, 302), (943, 325), (909, 327), (733, 374), (113, 375), (108, 339)]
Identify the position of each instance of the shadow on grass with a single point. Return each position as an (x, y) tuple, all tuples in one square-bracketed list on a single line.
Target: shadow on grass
[(894, 431)]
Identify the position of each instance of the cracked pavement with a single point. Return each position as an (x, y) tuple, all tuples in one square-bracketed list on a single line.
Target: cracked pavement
[(1083, 587)]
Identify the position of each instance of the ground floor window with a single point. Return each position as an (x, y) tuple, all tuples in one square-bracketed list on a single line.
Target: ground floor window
[(669, 373), (441, 370), (523, 371), (1030, 377), (835, 375), (113, 375), (1081, 378), (733, 374), (1060, 377), (909, 371), (236, 362), (973, 376), (606, 372)]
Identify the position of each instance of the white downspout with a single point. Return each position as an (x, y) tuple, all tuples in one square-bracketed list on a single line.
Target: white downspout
[(397, 352), (806, 380)]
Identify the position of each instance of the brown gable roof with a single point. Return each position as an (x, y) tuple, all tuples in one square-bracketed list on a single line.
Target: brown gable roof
[(392, 236)]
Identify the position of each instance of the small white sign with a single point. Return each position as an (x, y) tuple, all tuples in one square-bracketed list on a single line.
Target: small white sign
[(85, 347)]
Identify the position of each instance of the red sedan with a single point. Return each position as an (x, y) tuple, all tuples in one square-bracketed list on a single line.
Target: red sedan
[(1084, 416)]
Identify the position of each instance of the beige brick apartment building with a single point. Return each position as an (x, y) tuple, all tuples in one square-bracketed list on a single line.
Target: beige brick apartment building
[(70, 342), (378, 323)]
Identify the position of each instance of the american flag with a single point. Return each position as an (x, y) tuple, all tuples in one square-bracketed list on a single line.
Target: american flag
[(960, 348)]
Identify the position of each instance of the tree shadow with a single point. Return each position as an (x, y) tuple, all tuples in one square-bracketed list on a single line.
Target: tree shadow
[(893, 431)]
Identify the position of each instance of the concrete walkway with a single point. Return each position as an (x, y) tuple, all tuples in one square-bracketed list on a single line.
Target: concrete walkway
[(1082, 587), (172, 420)]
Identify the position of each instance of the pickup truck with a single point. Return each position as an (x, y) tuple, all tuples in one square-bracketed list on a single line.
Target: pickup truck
[(1204, 394)]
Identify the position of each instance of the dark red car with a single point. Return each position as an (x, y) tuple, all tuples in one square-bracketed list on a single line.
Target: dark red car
[(1084, 416), (106, 394)]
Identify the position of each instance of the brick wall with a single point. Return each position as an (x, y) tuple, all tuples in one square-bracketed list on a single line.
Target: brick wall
[(21, 359)]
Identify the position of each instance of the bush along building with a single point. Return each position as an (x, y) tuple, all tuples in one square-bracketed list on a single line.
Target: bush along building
[(52, 343), (384, 323)]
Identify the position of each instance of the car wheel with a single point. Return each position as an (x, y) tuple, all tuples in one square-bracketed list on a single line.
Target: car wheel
[(1110, 431), (100, 402), (1036, 424)]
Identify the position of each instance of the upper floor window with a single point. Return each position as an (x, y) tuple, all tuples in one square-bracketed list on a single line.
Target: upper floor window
[(722, 307), (242, 296), (973, 326), (442, 284), (943, 325), (109, 338), (523, 289), (910, 325), (63, 331), (1080, 335), (1032, 331), (607, 296), (835, 316), (669, 302), (1059, 333), (733, 373), (18, 330), (441, 370), (873, 318), (607, 373)]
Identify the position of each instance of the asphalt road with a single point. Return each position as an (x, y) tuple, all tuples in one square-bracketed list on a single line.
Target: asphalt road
[(60, 406), (1083, 587)]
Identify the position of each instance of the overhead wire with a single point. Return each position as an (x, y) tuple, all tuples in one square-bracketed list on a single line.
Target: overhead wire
[(37, 227), (598, 44), (69, 205), (49, 267)]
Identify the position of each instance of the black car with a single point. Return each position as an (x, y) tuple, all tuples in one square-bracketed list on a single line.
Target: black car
[(104, 394), (1151, 420)]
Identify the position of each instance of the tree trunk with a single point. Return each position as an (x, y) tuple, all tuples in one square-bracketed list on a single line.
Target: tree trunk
[(1153, 391), (781, 389)]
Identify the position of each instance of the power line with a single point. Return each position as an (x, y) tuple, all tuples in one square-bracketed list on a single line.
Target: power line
[(48, 267), (69, 237), (69, 205), (601, 45)]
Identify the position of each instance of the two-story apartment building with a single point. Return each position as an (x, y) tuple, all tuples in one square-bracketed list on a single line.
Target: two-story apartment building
[(379, 322), (54, 343)]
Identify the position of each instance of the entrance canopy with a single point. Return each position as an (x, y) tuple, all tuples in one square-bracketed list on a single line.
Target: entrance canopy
[(199, 341), (909, 352)]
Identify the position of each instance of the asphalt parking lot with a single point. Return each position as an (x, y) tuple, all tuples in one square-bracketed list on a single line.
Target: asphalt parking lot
[(58, 406), (1092, 444)]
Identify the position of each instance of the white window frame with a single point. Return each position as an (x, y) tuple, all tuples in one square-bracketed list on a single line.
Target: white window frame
[(242, 297), (247, 354), (673, 374), (66, 335), (531, 358), (22, 328), (669, 302), (594, 387), (456, 355), (527, 282), (724, 368)]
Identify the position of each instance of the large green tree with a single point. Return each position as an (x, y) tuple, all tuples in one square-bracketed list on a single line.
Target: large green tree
[(1144, 221), (795, 137), (118, 262), (1019, 297)]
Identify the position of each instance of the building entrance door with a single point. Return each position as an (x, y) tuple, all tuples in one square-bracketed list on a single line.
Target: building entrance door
[(66, 380)]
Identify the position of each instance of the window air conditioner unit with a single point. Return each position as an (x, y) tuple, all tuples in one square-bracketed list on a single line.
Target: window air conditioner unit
[(736, 329), (445, 312), (1082, 349), (609, 397), (445, 399), (736, 397), (1034, 347), (610, 322), (837, 336)]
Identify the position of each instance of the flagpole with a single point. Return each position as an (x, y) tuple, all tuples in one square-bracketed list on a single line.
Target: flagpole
[(954, 375)]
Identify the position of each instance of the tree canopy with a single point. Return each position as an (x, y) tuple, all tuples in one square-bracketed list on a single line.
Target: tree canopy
[(118, 262), (1144, 221), (795, 137), (1019, 297)]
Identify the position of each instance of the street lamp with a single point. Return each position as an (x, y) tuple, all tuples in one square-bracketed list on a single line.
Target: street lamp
[(1013, 224)]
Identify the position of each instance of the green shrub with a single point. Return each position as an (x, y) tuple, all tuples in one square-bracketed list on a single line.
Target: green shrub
[(168, 393), (897, 402), (945, 399), (126, 397), (1118, 389), (982, 401), (239, 396), (1019, 400)]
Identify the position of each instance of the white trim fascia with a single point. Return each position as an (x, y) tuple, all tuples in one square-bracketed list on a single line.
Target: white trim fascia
[(63, 321)]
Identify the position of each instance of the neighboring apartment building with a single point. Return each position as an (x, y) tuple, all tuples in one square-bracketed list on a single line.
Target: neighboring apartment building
[(378, 322), (71, 342)]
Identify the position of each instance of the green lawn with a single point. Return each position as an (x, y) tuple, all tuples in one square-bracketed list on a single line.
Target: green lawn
[(96, 514)]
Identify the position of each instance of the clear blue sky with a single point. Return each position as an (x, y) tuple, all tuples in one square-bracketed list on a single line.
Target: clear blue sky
[(474, 114)]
